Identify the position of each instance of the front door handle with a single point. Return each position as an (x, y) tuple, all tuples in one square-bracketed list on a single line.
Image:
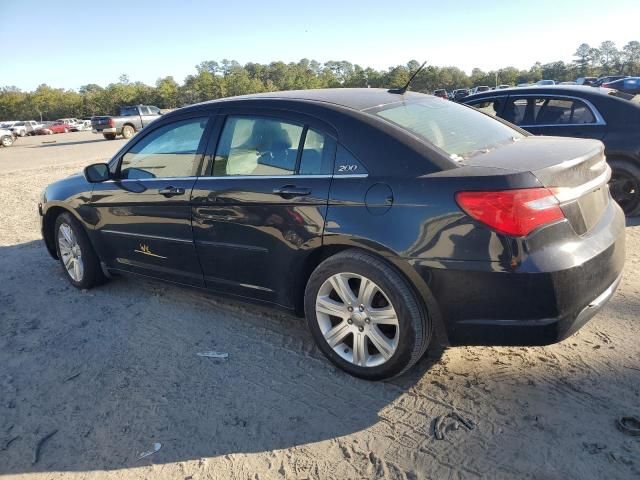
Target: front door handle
[(171, 191), (290, 191)]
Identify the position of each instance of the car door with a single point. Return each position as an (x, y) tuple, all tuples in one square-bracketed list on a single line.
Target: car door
[(143, 221), (563, 116), (260, 209), (146, 116)]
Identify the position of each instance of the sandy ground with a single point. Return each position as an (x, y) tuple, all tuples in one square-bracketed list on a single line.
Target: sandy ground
[(89, 380)]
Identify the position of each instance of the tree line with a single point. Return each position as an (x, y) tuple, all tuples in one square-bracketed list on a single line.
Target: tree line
[(213, 79)]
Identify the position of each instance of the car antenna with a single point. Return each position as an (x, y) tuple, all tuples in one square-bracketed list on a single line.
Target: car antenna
[(403, 90)]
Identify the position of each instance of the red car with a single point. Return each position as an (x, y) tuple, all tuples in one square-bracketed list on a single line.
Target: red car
[(55, 127)]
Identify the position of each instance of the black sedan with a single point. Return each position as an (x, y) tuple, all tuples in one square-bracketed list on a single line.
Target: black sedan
[(576, 111), (388, 219)]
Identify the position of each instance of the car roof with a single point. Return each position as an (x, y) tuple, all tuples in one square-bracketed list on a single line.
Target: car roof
[(352, 98), (578, 90)]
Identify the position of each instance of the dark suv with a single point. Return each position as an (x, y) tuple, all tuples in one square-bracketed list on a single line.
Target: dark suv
[(387, 219)]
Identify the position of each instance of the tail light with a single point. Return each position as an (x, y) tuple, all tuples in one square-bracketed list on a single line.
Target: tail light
[(111, 123), (513, 212)]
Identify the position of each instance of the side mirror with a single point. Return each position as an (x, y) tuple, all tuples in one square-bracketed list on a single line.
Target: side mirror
[(96, 173)]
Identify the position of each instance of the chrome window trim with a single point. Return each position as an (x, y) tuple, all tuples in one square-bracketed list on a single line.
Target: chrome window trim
[(237, 177)]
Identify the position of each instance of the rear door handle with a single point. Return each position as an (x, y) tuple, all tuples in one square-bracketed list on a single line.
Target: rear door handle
[(171, 191), (290, 191)]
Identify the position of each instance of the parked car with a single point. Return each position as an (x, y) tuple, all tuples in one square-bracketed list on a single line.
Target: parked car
[(460, 93), (586, 80), (520, 85), (576, 111), (442, 93), (28, 127), (545, 83), (476, 230), (479, 89), (629, 85), (81, 125), (568, 83), (502, 87), (8, 126), (610, 78), (6, 137), (54, 127), (131, 120)]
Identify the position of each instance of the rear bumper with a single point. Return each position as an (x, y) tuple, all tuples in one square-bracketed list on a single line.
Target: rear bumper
[(104, 130), (543, 301)]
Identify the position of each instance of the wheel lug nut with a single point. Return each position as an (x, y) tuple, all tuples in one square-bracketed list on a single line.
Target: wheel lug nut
[(350, 308), (361, 308), (349, 321), (361, 329), (367, 320)]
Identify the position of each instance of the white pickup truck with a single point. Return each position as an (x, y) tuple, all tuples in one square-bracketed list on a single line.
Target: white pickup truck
[(21, 129)]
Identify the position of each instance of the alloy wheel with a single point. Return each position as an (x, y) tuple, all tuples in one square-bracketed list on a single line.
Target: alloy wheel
[(357, 319), (70, 252)]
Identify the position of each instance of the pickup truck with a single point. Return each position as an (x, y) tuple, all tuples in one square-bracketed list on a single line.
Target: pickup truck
[(28, 127), (131, 119)]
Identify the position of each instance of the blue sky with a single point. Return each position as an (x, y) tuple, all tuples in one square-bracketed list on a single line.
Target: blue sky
[(70, 43)]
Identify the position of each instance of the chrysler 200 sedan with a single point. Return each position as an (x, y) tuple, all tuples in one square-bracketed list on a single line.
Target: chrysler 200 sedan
[(387, 219)]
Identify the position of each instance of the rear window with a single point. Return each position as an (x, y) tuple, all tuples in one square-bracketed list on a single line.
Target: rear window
[(128, 111), (458, 130)]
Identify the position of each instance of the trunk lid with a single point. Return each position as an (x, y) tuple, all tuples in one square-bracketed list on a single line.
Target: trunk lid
[(574, 169)]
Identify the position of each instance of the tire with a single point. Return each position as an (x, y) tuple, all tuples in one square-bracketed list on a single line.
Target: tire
[(6, 140), (128, 131), (404, 341), (625, 186), (73, 246), (109, 136)]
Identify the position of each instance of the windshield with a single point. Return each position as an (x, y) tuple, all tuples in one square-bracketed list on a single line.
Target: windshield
[(19, 124), (459, 130)]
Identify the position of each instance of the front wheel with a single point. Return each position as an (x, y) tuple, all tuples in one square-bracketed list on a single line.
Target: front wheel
[(365, 317), (6, 141), (79, 262), (625, 186)]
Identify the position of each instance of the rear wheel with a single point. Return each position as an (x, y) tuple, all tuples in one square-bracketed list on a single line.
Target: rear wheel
[(365, 317), (625, 186), (109, 136), (128, 131), (79, 262), (6, 140)]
